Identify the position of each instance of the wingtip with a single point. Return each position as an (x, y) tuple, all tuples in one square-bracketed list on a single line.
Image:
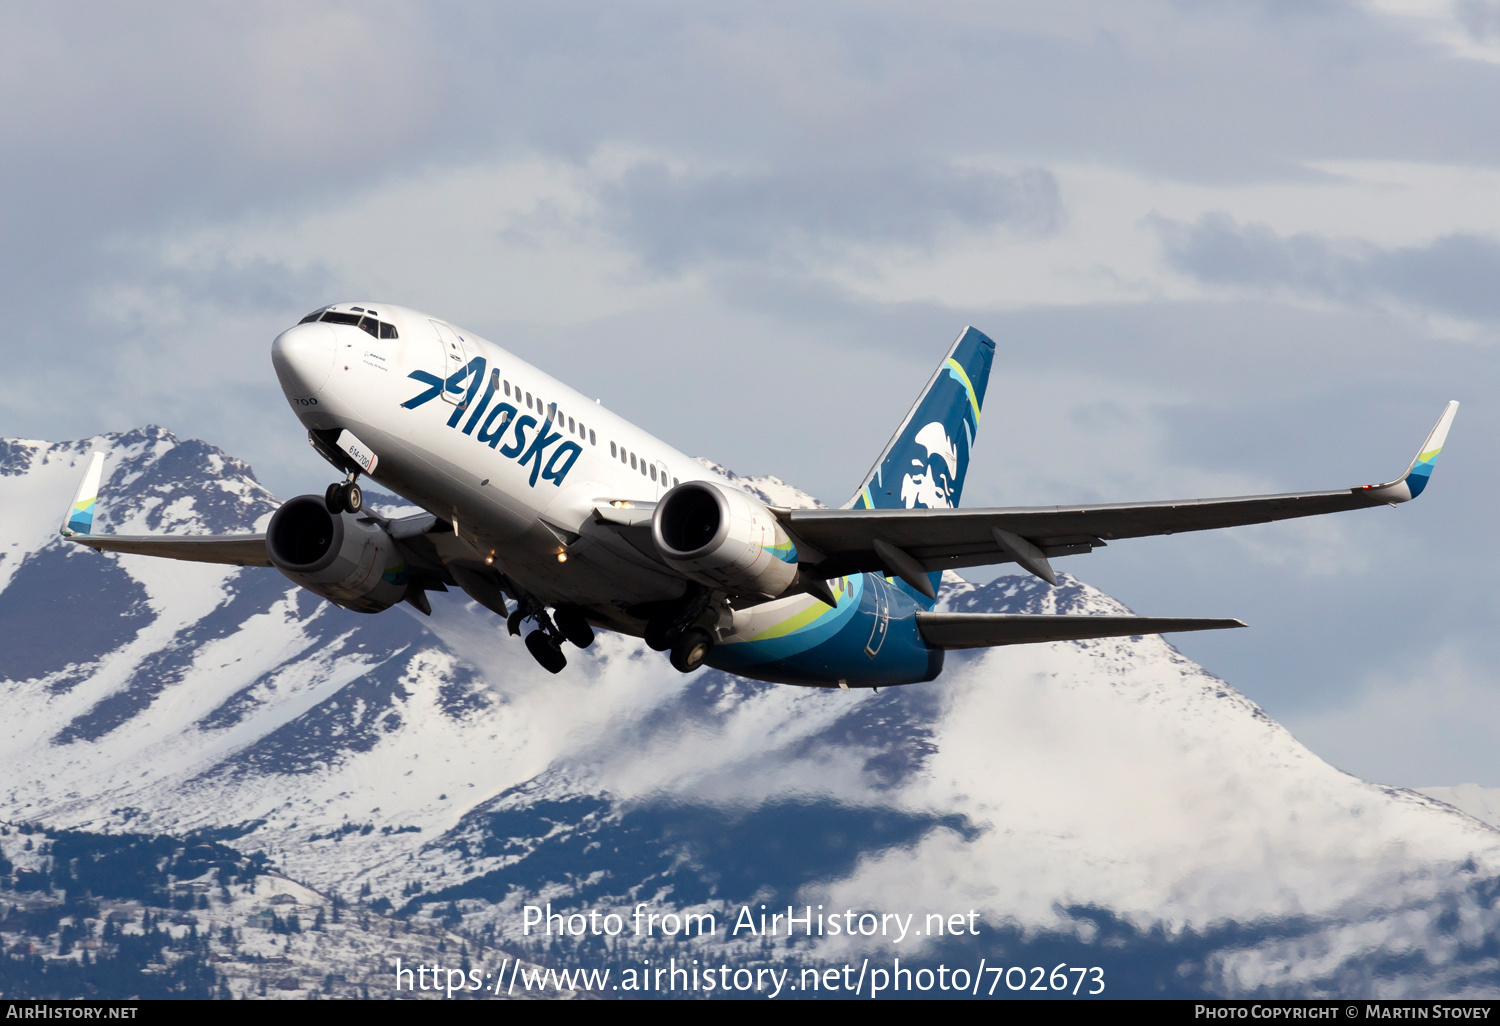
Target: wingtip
[(1411, 484)]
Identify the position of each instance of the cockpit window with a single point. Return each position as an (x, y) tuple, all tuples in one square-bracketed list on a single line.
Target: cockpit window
[(313, 316), (379, 329)]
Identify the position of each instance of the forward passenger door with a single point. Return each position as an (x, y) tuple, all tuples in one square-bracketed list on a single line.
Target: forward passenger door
[(454, 356)]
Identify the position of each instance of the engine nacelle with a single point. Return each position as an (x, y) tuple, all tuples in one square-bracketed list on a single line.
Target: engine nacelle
[(351, 562), (722, 537)]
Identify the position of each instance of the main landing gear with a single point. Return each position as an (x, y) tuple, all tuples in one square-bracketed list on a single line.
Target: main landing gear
[(344, 496), (546, 650), (691, 648), (545, 643), (682, 633)]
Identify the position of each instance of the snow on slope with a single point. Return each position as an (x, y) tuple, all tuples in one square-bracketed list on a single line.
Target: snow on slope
[(1483, 803), (1061, 790)]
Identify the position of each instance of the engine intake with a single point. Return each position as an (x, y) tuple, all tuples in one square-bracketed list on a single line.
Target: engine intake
[(722, 537), (349, 561)]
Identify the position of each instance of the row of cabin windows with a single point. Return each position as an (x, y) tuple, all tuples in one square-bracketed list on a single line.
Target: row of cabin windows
[(577, 427), (383, 330), (639, 463), (367, 320), (559, 419)]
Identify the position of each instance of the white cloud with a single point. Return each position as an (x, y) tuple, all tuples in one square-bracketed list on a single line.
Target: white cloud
[(1434, 719), (1467, 29)]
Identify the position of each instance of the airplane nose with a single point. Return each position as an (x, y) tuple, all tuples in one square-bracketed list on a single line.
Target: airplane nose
[(303, 358)]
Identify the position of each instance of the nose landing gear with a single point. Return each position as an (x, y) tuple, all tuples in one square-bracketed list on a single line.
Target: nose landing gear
[(344, 496)]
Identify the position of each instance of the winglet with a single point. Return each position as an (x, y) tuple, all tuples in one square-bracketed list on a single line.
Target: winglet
[(81, 516), (1411, 484)]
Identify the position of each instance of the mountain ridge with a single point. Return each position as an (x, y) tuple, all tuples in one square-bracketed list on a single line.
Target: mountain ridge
[(1117, 783)]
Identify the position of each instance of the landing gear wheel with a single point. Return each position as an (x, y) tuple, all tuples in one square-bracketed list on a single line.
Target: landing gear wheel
[(344, 497), (689, 650), (573, 626), (659, 633), (545, 651)]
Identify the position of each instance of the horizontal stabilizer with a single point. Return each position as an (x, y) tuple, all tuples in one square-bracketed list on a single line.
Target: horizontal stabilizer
[(233, 549), (986, 630)]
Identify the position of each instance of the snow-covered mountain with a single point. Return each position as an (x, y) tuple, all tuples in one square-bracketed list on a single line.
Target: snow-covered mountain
[(1101, 803)]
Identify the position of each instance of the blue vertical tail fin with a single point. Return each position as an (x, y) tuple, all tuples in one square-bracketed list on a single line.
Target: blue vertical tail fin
[(925, 462)]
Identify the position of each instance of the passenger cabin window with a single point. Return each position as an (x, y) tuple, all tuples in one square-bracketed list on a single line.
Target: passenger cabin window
[(643, 466), (591, 439), (653, 473), (612, 452), (632, 461), (570, 424)]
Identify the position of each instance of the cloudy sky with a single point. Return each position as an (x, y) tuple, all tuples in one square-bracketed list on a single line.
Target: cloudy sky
[(1223, 248)]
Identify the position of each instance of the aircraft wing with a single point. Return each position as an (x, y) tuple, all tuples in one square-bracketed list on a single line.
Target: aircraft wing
[(235, 549), (912, 542), (988, 630)]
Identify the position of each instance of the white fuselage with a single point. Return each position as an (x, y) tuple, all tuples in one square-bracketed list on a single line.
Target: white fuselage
[(521, 501)]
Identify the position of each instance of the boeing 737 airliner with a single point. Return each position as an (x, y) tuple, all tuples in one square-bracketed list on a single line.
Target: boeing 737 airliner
[(550, 510)]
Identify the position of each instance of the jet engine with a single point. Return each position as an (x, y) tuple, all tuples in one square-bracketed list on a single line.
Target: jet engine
[(348, 560), (722, 537)]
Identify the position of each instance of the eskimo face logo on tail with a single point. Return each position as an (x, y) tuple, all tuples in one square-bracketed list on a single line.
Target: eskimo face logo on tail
[(493, 418), (931, 487)]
